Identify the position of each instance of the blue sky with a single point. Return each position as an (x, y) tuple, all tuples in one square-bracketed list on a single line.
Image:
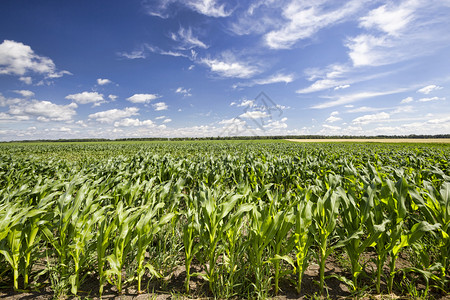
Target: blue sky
[(172, 68)]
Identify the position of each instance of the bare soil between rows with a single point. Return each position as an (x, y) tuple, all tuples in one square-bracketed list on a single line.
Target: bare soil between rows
[(174, 286)]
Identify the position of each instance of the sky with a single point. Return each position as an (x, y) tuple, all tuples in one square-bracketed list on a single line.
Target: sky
[(206, 68)]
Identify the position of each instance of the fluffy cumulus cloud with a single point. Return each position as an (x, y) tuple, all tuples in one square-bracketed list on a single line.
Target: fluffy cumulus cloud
[(128, 122), (429, 88), (183, 91), (103, 81), (160, 106), (333, 117), (86, 98), (366, 119), (256, 114), (112, 115), (18, 59), (43, 111), (25, 93), (228, 66), (143, 98)]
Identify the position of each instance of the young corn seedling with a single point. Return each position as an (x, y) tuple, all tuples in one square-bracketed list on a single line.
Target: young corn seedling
[(357, 221), (191, 229), (125, 219), (11, 234), (303, 237), (435, 206), (325, 212), (105, 234), (281, 243), (146, 227)]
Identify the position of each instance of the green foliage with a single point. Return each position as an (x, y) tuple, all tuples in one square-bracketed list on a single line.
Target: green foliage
[(240, 216)]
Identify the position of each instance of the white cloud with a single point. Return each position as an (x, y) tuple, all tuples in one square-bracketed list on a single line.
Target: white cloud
[(209, 8), (19, 59), (391, 20), (330, 127), (276, 78), (304, 19), (399, 32), (341, 87), (26, 79), (407, 100), (128, 122), (366, 119), (160, 117), (167, 121), (101, 81), (160, 106), (112, 97), (278, 124), (432, 99), (367, 50), (254, 114), (183, 91), (346, 99), (87, 97), (364, 109), (333, 117), (229, 66), (429, 88), (25, 93), (143, 98), (243, 103), (109, 116), (43, 111), (136, 54), (187, 39)]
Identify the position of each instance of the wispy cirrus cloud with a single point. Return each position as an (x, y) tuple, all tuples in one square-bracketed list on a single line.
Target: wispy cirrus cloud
[(166, 8), (302, 20), (187, 39), (275, 78), (429, 88), (350, 98)]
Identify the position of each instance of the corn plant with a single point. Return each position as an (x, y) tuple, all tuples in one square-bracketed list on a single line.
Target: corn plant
[(12, 227), (324, 214), (104, 237), (435, 207), (146, 227), (303, 237), (191, 229), (125, 219)]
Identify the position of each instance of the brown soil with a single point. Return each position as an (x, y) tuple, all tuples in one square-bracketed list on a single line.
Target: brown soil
[(174, 288)]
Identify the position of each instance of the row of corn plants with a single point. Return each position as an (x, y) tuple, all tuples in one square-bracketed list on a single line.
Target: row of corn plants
[(241, 218)]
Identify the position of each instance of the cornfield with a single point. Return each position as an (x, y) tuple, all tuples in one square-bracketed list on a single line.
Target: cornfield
[(231, 220)]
